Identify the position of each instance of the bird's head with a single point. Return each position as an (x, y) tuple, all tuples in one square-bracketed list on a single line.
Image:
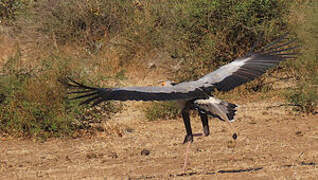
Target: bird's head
[(167, 83)]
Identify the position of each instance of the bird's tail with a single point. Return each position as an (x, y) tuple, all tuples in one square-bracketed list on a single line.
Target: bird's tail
[(217, 108)]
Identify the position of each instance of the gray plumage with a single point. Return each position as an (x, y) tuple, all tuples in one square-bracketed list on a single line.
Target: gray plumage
[(197, 94)]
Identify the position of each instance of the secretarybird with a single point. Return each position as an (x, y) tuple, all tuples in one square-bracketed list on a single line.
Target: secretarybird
[(196, 95)]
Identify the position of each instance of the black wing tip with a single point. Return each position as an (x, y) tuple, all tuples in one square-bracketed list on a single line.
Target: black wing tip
[(67, 82), (279, 45), (281, 49), (90, 95), (260, 61), (64, 81), (71, 83)]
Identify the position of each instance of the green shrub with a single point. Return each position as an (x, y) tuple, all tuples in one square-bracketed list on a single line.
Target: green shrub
[(216, 32), (305, 98), (202, 33), (305, 69), (34, 103), (81, 20), (10, 9)]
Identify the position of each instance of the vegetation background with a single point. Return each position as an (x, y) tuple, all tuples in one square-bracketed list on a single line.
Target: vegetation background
[(98, 41)]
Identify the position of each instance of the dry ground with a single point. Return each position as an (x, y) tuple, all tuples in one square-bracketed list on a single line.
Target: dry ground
[(272, 144)]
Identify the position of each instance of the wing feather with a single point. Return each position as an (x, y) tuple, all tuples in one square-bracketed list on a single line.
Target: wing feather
[(249, 67), (95, 99), (148, 93), (85, 95)]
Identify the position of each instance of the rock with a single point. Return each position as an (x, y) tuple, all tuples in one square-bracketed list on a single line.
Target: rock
[(130, 130), (145, 152), (113, 155), (152, 65), (91, 155), (67, 158), (231, 144), (299, 133)]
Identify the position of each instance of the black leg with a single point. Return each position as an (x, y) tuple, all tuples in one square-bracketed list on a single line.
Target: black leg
[(187, 124), (189, 137), (205, 123)]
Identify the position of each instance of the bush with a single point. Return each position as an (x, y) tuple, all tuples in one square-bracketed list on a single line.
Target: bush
[(34, 103), (10, 9), (305, 95), (202, 33), (305, 98), (81, 20)]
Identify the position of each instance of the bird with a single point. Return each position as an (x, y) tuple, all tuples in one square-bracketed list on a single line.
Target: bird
[(197, 95)]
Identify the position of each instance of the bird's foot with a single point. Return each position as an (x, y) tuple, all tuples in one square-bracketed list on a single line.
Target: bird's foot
[(206, 130), (188, 138)]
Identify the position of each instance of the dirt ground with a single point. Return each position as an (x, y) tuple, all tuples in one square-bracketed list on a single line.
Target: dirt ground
[(273, 143)]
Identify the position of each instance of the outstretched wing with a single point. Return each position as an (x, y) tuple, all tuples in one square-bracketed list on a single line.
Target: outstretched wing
[(148, 93), (249, 67), (225, 78)]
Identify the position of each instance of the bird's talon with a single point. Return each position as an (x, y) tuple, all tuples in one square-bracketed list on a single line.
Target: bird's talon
[(206, 131), (188, 138)]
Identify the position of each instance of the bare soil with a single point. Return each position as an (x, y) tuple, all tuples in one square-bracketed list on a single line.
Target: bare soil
[(273, 143)]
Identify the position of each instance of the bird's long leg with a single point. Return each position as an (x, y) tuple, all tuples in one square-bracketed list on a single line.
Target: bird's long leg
[(189, 137), (205, 123), (187, 124)]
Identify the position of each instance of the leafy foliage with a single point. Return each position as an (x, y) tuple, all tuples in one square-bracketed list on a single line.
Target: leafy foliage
[(203, 33), (305, 96), (34, 103), (9, 9)]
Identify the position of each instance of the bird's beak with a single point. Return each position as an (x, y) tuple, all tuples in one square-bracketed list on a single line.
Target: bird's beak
[(162, 83)]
